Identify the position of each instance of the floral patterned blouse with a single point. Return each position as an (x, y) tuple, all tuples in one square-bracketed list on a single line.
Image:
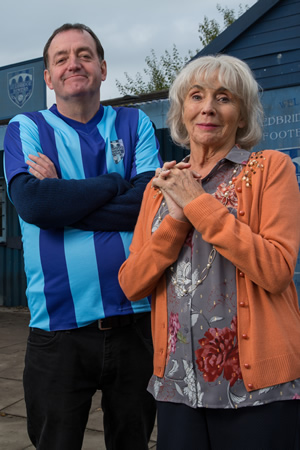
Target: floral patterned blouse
[(202, 368)]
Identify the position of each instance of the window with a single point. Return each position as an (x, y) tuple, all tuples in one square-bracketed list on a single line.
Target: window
[(2, 211)]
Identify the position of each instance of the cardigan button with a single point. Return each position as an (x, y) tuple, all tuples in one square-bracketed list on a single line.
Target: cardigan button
[(241, 274), (243, 304), (250, 385), (241, 213), (244, 336), (247, 366), (239, 189)]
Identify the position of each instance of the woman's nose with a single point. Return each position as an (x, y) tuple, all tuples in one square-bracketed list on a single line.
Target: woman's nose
[(208, 106)]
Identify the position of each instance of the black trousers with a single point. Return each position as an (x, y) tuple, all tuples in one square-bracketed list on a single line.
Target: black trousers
[(275, 426), (64, 369)]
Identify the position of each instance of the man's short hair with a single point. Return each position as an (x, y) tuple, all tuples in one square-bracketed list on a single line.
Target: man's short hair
[(72, 26)]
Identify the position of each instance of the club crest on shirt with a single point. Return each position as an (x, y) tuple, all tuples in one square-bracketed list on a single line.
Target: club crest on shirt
[(20, 86), (117, 150)]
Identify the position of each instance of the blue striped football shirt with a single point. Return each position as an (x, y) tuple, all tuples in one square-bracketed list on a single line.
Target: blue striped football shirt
[(72, 275)]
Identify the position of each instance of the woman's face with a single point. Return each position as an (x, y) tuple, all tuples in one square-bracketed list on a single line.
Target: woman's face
[(211, 115)]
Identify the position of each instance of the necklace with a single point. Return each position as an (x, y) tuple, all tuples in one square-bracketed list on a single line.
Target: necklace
[(225, 193), (180, 284)]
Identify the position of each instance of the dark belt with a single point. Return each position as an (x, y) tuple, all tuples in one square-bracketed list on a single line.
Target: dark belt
[(108, 323), (116, 321)]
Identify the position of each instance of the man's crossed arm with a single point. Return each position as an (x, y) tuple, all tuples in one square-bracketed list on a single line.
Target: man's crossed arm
[(103, 203)]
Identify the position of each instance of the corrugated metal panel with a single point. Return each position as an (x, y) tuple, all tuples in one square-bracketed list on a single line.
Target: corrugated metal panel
[(12, 276), (168, 150), (2, 134)]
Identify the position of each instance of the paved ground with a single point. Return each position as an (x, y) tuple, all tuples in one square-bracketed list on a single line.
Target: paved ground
[(13, 434)]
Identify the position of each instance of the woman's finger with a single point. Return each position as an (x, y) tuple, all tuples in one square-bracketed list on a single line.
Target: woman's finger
[(183, 165)]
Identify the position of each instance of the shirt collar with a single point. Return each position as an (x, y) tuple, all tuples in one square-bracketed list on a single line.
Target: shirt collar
[(79, 125), (236, 155)]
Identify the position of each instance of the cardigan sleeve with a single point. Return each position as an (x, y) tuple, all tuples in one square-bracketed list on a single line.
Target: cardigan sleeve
[(151, 253), (263, 242)]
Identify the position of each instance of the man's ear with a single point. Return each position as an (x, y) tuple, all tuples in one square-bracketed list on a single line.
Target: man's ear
[(47, 78), (103, 66)]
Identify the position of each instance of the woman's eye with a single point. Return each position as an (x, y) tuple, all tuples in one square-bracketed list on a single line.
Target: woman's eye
[(223, 99)]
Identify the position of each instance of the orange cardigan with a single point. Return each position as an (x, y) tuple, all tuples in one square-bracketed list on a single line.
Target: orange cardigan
[(262, 243)]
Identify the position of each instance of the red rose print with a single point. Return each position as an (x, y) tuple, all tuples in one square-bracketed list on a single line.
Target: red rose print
[(219, 354)]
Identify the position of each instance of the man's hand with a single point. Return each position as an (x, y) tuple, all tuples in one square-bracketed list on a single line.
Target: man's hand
[(41, 166)]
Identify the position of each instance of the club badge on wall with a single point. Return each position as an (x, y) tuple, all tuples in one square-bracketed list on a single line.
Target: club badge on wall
[(20, 86)]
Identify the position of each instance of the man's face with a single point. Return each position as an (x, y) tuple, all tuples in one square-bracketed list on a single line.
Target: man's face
[(74, 68)]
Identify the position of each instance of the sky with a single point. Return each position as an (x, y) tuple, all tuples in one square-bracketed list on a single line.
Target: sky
[(127, 29)]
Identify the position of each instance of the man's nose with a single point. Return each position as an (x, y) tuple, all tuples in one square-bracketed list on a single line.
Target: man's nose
[(74, 62)]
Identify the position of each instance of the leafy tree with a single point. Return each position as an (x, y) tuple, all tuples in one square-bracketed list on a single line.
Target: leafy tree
[(210, 28), (160, 72)]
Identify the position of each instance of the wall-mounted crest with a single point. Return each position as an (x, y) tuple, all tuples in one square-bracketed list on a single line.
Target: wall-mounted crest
[(20, 86)]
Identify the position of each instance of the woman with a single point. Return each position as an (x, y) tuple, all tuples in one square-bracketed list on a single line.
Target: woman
[(216, 245)]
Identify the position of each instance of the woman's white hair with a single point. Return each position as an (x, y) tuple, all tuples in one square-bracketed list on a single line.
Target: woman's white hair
[(234, 75)]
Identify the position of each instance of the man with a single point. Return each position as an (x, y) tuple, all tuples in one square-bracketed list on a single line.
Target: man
[(76, 175)]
